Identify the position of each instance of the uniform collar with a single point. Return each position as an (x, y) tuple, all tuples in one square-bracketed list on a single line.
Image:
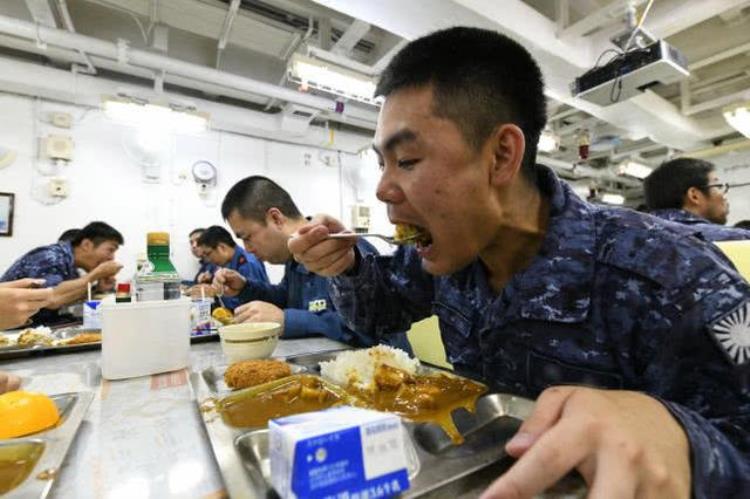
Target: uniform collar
[(67, 247), (556, 286), (681, 216), (238, 253)]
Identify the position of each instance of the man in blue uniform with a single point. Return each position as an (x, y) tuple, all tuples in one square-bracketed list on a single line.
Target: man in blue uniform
[(634, 336), (206, 269), (92, 249), (688, 191), (218, 247), (264, 216)]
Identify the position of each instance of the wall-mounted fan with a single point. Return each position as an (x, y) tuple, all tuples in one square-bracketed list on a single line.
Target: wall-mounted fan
[(149, 150)]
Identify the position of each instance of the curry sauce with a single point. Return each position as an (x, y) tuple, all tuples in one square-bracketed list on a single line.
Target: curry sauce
[(16, 463), (292, 395), (422, 399)]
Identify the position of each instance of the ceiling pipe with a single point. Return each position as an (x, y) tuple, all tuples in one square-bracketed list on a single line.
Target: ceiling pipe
[(59, 85), (226, 29), (125, 56), (72, 56), (710, 152), (68, 22)]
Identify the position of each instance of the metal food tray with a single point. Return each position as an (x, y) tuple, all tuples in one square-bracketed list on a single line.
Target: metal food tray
[(437, 467), (53, 444), (15, 351)]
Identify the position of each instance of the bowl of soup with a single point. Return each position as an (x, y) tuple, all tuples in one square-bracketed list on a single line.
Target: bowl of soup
[(251, 340)]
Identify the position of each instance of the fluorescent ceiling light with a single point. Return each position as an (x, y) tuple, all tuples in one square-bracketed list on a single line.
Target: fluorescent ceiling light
[(634, 169), (548, 141), (739, 117), (611, 198), (328, 77), (161, 116)]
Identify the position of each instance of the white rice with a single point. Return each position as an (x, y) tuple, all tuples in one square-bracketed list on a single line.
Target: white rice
[(358, 366)]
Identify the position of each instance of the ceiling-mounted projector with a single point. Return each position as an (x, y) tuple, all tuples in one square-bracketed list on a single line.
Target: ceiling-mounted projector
[(630, 73)]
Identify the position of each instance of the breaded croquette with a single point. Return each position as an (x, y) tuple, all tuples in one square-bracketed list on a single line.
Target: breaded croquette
[(255, 372), (84, 338)]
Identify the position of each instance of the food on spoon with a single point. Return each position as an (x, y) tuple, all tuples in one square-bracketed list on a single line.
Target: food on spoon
[(223, 315), (4, 340), (411, 234), (23, 413), (255, 372)]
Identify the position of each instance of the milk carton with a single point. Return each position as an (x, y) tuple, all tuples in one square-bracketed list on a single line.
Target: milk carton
[(344, 452)]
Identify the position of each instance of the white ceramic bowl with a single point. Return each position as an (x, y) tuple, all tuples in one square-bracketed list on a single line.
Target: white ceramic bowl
[(252, 340)]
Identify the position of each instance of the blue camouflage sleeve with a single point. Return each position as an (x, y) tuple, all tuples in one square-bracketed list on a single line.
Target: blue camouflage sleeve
[(712, 402), (686, 336), (383, 294), (47, 265)]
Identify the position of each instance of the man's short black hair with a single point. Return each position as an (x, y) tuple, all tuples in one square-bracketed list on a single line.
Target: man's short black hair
[(97, 233), (214, 235), (199, 230), (68, 236), (742, 224), (666, 186), (480, 79), (253, 196)]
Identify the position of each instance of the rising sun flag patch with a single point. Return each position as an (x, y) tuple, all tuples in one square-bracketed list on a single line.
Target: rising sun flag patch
[(732, 332)]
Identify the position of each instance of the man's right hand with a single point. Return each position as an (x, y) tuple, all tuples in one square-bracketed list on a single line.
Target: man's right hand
[(204, 278), (313, 249), (228, 282), (17, 303), (105, 269)]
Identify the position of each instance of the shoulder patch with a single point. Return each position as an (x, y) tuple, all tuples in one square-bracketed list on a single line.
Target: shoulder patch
[(732, 333)]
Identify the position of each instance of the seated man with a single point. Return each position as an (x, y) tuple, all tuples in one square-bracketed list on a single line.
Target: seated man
[(92, 250), (219, 248), (264, 216), (634, 337), (687, 191), (206, 270)]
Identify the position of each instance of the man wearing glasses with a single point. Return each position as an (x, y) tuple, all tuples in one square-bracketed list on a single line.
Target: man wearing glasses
[(688, 191)]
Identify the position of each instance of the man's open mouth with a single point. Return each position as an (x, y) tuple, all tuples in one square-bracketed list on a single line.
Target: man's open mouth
[(412, 234)]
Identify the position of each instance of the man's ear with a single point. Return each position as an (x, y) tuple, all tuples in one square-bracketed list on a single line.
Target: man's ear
[(507, 145), (86, 245), (693, 197), (275, 217)]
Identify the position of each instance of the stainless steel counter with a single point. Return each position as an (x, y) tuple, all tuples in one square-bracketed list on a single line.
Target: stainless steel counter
[(141, 437)]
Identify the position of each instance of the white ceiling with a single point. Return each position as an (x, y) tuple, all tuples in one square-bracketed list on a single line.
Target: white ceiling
[(246, 44)]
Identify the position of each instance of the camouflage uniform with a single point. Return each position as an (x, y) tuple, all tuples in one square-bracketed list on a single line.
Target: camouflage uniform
[(54, 263), (614, 299), (308, 310), (701, 227)]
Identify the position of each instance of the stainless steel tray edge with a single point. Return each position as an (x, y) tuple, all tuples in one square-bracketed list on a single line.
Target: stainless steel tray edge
[(57, 442), (238, 483)]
